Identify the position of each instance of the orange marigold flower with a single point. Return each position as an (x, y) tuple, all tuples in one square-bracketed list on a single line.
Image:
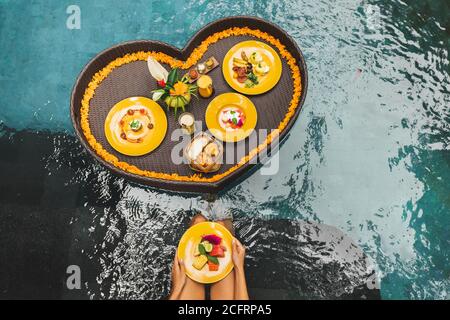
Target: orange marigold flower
[(179, 89)]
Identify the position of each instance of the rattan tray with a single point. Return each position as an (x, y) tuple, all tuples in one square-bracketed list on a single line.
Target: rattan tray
[(121, 72)]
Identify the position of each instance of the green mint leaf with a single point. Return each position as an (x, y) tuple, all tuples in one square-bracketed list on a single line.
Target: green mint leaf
[(201, 249), (212, 259)]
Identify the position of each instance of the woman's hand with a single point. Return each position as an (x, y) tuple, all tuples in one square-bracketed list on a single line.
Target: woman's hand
[(238, 254), (178, 277)]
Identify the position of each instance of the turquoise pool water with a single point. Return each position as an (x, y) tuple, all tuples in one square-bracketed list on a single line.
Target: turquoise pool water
[(369, 153)]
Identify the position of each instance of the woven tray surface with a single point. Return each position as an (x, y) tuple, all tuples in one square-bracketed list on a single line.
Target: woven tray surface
[(134, 79)]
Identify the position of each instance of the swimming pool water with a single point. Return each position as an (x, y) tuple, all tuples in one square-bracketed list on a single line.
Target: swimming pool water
[(368, 155)]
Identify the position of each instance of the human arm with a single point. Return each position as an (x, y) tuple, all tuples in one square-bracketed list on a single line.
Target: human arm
[(238, 256), (178, 278)]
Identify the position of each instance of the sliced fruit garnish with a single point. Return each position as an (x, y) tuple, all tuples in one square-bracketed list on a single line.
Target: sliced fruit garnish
[(207, 245), (212, 238), (199, 262), (196, 251), (217, 251), (213, 266)]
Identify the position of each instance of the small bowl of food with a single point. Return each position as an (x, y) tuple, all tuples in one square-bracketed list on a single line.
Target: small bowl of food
[(204, 153)]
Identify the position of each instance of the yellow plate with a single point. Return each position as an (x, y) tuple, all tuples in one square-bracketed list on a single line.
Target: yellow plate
[(269, 55), (191, 238), (233, 100), (151, 138)]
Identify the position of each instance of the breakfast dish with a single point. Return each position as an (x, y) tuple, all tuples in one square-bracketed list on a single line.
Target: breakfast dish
[(206, 251), (204, 153), (231, 117), (252, 67), (202, 68), (135, 126)]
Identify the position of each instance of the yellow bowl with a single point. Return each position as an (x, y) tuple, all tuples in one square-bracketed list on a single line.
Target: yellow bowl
[(269, 55), (226, 100), (150, 141), (191, 238)]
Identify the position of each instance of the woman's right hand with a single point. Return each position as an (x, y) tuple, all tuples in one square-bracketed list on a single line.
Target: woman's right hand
[(238, 254)]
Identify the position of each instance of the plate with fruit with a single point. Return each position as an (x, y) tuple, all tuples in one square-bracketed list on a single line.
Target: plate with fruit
[(252, 67), (206, 251), (231, 117)]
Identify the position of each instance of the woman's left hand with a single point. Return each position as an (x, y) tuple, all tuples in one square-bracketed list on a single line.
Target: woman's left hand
[(178, 276)]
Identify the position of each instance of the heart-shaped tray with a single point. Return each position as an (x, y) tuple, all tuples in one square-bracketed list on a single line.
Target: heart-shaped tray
[(121, 72)]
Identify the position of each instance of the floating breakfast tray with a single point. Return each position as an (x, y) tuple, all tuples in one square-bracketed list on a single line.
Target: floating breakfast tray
[(121, 72)]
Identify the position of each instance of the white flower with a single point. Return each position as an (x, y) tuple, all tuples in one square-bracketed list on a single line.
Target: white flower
[(157, 95), (157, 70)]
